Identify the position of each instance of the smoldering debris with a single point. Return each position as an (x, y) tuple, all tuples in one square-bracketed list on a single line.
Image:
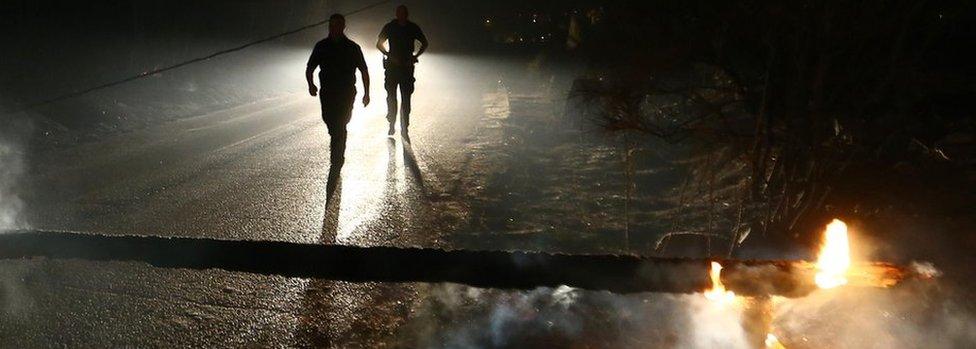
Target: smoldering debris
[(489, 269)]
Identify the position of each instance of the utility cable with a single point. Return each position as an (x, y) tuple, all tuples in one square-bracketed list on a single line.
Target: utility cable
[(145, 74)]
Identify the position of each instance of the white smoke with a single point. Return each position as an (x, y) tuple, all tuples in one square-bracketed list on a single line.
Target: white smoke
[(15, 299), (457, 317), (920, 315), (13, 135)]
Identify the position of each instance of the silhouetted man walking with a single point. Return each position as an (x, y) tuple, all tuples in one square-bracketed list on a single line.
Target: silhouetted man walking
[(399, 62), (338, 57)]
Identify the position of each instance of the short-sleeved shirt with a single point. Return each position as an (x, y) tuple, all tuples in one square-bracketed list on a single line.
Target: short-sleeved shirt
[(338, 58), (402, 38)]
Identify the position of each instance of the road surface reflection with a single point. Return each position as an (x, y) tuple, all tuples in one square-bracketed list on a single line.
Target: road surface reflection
[(380, 191)]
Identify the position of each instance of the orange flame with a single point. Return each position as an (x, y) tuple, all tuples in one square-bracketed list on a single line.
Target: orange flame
[(835, 256), (718, 293), (773, 343)]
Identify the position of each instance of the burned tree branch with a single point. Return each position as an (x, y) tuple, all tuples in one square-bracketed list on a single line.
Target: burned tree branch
[(488, 269)]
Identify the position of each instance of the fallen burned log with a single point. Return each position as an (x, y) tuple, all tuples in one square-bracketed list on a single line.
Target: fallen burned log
[(488, 269)]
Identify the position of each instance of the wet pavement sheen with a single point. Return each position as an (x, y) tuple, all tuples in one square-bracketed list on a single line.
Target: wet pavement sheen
[(261, 171)]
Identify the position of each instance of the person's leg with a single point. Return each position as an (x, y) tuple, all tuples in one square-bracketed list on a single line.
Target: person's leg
[(390, 84), (328, 115), (344, 106), (337, 144), (406, 90), (336, 112)]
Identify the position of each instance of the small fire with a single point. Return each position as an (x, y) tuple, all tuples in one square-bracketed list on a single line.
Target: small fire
[(718, 293), (773, 343), (835, 258)]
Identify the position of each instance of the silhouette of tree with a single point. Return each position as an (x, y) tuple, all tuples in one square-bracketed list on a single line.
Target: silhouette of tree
[(794, 110)]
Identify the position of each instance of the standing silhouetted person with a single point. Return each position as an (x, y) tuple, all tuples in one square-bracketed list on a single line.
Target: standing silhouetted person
[(338, 57), (398, 62)]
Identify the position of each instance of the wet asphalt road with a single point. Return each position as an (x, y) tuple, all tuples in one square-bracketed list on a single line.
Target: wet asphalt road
[(491, 165), (258, 171), (494, 162), (261, 171)]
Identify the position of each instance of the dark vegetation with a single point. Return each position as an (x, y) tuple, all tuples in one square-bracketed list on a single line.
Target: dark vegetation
[(795, 112)]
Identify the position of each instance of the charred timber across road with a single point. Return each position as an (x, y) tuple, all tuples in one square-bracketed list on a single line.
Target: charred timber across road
[(486, 269)]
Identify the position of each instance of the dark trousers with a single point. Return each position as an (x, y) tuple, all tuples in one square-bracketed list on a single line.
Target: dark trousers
[(402, 76), (337, 111)]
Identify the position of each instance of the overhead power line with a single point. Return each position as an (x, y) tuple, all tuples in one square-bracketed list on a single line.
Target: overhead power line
[(33, 105)]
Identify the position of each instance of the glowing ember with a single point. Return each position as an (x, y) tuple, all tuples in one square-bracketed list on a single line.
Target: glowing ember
[(718, 293), (835, 257), (773, 343)]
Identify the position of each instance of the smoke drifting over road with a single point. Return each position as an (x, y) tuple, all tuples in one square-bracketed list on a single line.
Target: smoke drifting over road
[(919, 315), (464, 317), (923, 315), (13, 137)]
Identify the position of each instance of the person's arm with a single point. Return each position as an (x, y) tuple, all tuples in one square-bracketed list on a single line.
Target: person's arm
[(423, 43), (364, 71), (313, 62), (381, 47), (312, 90), (380, 39)]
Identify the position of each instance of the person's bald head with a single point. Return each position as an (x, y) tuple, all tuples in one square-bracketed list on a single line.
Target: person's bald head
[(402, 13), (337, 24)]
